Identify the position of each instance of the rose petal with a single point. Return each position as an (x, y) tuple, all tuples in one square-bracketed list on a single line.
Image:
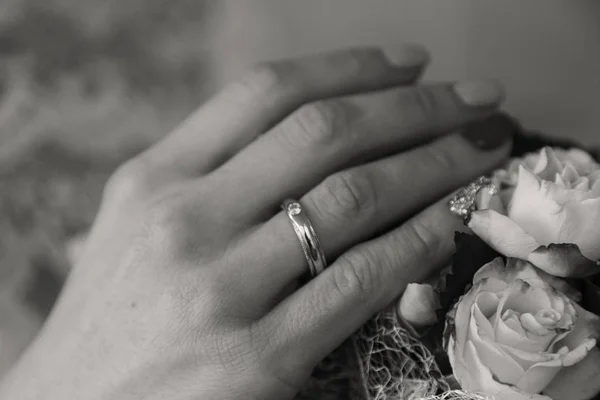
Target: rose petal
[(539, 376), (531, 274), (564, 260), (505, 368), (481, 380), (525, 298), (548, 318), (569, 172), (513, 269), (418, 305), (566, 191), (458, 365), (548, 164), (493, 269), (457, 322), (552, 214), (506, 195), (461, 314), (578, 382), (512, 321), (561, 285), (580, 226), (587, 326), (531, 325), (579, 353), (523, 270), (486, 304), (582, 160), (582, 185), (502, 234), (528, 359), (483, 323), (510, 337), (534, 210), (487, 201)]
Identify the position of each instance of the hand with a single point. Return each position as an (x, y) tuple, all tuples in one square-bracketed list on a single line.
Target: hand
[(189, 285)]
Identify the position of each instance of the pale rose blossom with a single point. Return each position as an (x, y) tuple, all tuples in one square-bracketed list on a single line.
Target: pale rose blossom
[(515, 337), (547, 211)]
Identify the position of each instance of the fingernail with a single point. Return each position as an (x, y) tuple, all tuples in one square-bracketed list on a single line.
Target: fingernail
[(407, 56), (480, 93), (491, 133)]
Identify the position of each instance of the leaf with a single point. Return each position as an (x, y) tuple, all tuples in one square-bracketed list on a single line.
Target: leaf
[(578, 382), (591, 295)]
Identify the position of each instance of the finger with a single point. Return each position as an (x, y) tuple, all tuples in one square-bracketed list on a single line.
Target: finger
[(359, 203), (247, 108), (313, 321), (325, 137)]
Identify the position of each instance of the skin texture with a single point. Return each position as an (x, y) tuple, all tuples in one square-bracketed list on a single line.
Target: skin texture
[(188, 286)]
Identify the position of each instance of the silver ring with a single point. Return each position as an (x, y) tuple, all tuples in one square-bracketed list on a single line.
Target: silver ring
[(311, 247), (464, 202)]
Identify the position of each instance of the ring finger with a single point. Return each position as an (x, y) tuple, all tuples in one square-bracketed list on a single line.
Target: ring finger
[(312, 322)]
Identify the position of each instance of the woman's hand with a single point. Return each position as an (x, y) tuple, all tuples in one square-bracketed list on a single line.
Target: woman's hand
[(189, 285)]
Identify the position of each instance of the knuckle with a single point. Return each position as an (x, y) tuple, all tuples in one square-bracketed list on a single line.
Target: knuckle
[(439, 158), (358, 61), (130, 180), (346, 196), (164, 218), (356, 277), (265, 77), (318, 124), (424, 101), (422, 239), (170, 229)]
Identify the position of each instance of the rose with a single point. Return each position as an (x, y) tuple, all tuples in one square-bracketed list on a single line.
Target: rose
[(513, 336), (420, 302), (547, 211)]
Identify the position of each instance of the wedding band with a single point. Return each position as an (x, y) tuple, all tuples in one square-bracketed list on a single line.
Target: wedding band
[(464, 202), (311, 247)]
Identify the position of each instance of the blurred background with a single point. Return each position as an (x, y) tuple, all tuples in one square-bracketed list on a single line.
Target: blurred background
[(86, 84)]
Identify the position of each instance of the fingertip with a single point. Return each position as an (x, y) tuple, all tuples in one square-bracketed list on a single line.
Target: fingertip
[(409, 55), (480, 92), (492, 133)]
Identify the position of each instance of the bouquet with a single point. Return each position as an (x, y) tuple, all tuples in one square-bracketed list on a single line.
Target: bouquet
[(517, 313)]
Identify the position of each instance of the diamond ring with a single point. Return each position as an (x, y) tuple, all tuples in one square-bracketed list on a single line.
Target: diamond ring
[(464, 202), (311, 247)]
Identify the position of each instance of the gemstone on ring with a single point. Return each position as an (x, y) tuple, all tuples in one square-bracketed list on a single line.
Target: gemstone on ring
[(311, 247), (294, 208), (464, 202)]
